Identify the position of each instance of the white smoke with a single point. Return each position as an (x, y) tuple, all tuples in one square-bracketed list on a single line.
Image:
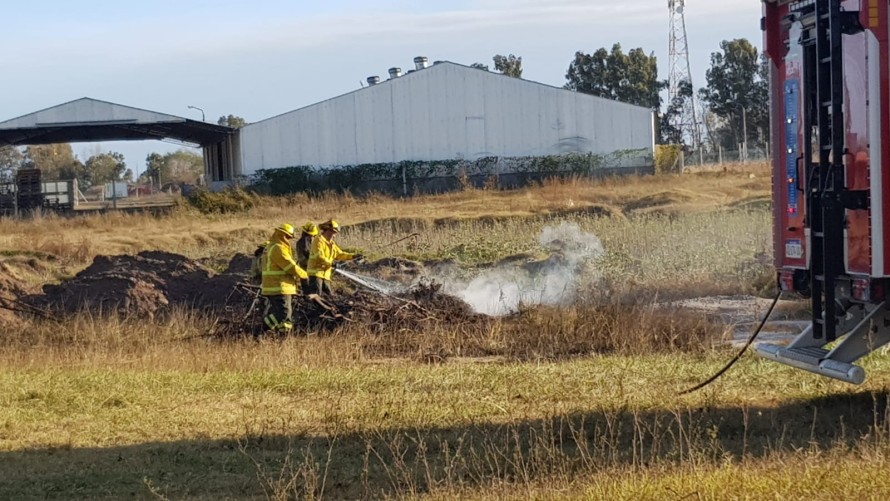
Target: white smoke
[(554, 281)]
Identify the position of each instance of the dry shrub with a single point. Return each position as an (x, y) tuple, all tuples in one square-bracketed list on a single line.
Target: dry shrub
[(464, 182), (550, 333), (668, 158), (232, 200)]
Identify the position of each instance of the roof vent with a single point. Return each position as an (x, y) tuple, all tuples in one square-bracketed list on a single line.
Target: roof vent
[(374, 80), (395, 73), (420, 62)]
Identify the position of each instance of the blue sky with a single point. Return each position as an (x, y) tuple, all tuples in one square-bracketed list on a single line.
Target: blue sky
[(262, 58)]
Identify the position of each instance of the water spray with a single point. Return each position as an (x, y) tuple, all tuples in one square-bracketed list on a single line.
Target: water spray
[(375, 284)]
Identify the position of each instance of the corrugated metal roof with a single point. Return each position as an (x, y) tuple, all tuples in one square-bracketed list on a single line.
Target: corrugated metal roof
[(89, 119), (443, 112), (444, 64)]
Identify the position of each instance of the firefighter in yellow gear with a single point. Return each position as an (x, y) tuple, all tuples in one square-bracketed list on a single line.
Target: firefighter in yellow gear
[(322, 256), (256, 266), (280, 277), (303, 247), (304, 244)]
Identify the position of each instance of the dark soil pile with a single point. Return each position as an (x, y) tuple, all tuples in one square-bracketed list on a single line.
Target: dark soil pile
[(148, 284), (154, 284), (429, 293)]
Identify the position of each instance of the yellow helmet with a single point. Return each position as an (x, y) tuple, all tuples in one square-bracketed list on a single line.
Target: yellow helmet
[(310, 229), (286, 229), (330, 224)]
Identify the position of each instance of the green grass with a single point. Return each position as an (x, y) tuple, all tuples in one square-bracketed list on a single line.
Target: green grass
[(100, 432), (573, 403), (815, 475)]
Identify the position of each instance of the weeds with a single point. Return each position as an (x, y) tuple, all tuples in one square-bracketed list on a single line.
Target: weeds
[(630, 452), (548, 403), (233, 200)]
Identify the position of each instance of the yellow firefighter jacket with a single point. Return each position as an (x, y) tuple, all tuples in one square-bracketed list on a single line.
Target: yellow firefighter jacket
[(280, 272), (322, 257)]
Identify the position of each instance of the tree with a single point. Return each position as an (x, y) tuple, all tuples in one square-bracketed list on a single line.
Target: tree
[(233, 121), (668, 133), (631, 78), (55, 161), (182, 166), (737, 93), (105, 167), (75, 170), (155, 169), (508, 65), (11, 159), (479, 66)]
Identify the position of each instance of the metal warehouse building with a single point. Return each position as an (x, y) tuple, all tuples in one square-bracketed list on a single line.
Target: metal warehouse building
[(443, 112)]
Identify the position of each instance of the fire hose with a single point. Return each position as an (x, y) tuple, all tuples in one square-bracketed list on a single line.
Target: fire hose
[(415, 234), (739, 354)]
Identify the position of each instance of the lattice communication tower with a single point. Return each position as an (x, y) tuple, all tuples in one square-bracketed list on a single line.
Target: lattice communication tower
[(678, 55)]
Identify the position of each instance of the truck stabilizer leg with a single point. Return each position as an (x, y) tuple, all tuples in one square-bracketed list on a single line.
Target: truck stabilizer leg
[(869, 333)]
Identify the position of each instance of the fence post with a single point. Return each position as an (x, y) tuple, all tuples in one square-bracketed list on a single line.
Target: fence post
[(497, 172), (720, 154), (404, 182)]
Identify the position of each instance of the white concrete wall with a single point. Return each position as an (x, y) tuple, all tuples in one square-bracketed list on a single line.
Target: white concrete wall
[(445, 112)]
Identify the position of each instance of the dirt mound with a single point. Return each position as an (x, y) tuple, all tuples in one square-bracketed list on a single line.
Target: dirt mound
[(153, 284), (14, 273), (10, 291), (657, 200), (148, 284), (430, 295)]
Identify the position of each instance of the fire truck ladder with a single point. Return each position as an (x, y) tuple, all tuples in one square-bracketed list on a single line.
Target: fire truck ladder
[(825, 185), (827, 202)]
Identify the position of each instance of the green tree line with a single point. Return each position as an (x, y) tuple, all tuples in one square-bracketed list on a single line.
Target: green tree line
[(735, 91), (58, 161)]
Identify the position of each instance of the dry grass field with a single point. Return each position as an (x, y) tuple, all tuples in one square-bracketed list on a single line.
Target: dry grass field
[(570, 401)]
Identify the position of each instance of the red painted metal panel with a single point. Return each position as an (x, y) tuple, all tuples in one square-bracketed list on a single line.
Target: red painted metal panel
[(857, 157), (789, 207), (879, 27)]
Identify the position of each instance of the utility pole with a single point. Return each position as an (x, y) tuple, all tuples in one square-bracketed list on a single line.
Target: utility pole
[(680, 74), (745, 133)]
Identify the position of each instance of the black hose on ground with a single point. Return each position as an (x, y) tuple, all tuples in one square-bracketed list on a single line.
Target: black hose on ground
[(402, 239), (739, 354)]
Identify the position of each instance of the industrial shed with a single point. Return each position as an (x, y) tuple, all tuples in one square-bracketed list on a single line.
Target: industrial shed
[(444, 112)]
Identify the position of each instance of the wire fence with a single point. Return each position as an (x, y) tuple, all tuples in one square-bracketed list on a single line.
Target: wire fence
[(743, 153)]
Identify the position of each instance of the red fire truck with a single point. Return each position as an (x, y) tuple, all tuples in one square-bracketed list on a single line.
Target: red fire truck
[(830, 122)]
